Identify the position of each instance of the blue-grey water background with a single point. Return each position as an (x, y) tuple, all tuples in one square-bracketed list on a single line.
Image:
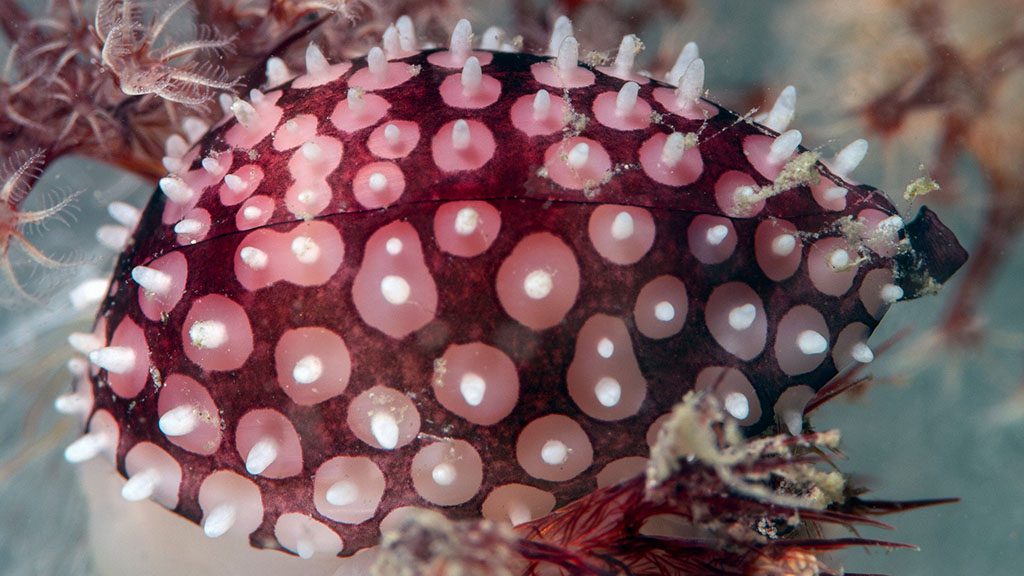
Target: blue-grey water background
[(940, 422)]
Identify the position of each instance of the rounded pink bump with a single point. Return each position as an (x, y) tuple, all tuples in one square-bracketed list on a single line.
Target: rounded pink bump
[(555, 448), (517, 504), (539, 114), (358, 111), (394, 140), (152, 473), (604, 378), (294, 132), (621, 470), (621, 234), (712, 239), (378, 184), (128, 365), (734, 192), (623, 110), (255, 212), (777, 248), (188, 416), (538, 282), (308, 255), (476, 382), (462, 145), (802, 340), (216, 334), (697, 110), (735, 316), (668, 159), (577, 163), (305, 199), (550, 74), (661, 307), (447, 473), (268, 444), (383, 418), (315, 159), (381, 76), (255, 120), (466, 229), (734, 392), (348, 489), (231, 504), (393, 290), (832, 266), (240, 184), (313, 364), (470, 90), (162, 284), (305, 536)]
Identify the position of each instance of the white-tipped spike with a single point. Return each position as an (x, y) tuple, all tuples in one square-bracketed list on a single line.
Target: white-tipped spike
[(125, 214), (675, 147), (688, 54), (460, 135), (394, 245), (847, 159), (377, 182), (608, 391), (691, 84), (492, 38), (784, 146), (312, 151), (252, 212), (244, 112), (462, 41), (208, 334), (305, 549), (782, 111), (472, 76), (605, 348), (305, 249), (466, 221), (78, 367), (568, 55), (176, 189), (234, 183), (518, 514), (277, 71), (839, 259), (783, 245), (261, 456), (835, 193), (115, 359), (742, 317), (316, 62), (623, 226), (406, 33), (717, 234), (891, 225), (395, 289), (385, 430), (554, 452), (541, 104), (175, 146), (891, 293), (254, 257), (71, 404), (171, 164), (392, 135), (113, 237), (444, 474), (625, 59), (85, 342), (188, 226), (473, 387), (141, 485), (377, 62), (356, 103), (626, 99), (342, 493), (561, 30), (391, 42), (256, 95), (225, 100), (86, 447), (862, 353), (179, 421), (578, 156), (737, 405), (194, 128), (794, 420), (308, 369), (88, 293), (210, 164), (811, 342), (152, 280), (219, 521)]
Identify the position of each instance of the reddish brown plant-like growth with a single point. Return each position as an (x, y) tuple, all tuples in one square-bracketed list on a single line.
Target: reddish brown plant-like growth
[(477, 281)]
